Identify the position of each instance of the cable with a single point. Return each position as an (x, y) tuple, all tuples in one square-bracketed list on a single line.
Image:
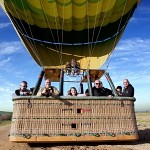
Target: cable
[(31, 32), (92, 48), (47, 21), (18, 27)]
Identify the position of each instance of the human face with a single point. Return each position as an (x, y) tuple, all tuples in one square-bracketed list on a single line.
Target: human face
[(73, 92), (125, 83), (97, 84), (47, 83), (23, 86), (118, 90)]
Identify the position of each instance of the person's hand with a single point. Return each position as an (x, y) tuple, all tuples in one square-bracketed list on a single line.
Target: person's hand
[(44, 91), (110, 96), (87, 94), (25, 93)]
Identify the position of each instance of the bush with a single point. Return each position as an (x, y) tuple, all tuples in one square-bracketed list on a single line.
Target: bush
[(5, 117)]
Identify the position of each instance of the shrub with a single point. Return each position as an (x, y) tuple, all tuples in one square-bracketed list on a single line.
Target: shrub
[(5, 117)]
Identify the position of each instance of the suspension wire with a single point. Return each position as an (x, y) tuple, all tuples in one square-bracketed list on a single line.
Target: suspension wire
[(61, 46), (21, 31), (93, 47), (117, 29), (35, 47), (57, 29), (100, 28), (88, 66), (119, 25), (19, 20), (46, 19), (62, 35), (94, 26)]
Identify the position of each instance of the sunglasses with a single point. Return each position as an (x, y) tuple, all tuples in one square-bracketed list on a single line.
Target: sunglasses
[(24, 86), (97, 83)]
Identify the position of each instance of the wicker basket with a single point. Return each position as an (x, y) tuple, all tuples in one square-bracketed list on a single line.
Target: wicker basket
[(69, 119)]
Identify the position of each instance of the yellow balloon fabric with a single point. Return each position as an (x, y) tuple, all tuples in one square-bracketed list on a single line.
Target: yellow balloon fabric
[(55, 31)]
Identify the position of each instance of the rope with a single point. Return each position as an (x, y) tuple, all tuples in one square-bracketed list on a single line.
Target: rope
[(48, 24), (35, 48), (119, 25), (96, 134), (19, 19), (78, 134), (20, 30), (57, 32), (100, 29), (94, 25), (27, 135), (117, 29), (62, 36), (127, 133), (111, 134), (88, 35), (91, 49)]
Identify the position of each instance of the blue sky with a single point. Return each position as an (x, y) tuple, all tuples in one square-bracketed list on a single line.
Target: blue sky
[(130, 60)]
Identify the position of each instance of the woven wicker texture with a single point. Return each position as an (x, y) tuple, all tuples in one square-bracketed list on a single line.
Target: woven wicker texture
[(51, 117)]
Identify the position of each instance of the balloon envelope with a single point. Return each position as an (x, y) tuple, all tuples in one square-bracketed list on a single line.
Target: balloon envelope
[(54, 32)]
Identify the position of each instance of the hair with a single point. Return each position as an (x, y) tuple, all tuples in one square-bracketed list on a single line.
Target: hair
[(119, 87), (74, 89), (48, 80), (25, 82), (127, 80), (98, 81)]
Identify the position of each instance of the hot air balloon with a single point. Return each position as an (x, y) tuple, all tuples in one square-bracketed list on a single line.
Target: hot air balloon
[(54, 32)]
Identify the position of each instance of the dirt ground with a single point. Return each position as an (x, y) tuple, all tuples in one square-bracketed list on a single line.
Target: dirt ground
[(143, 122)]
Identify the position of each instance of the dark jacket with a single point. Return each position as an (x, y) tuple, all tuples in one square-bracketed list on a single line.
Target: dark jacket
[(129, 91), (19, 92), (100, 91)]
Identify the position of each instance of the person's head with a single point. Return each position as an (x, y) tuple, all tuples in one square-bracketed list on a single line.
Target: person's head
[(98, 84), (73, 91), (126, 83), (73, 62), (68, 63), (23, 85), (119, 89), (47, 83)]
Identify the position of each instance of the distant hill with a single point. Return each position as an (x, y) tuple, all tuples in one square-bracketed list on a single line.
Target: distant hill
[(5, 112)]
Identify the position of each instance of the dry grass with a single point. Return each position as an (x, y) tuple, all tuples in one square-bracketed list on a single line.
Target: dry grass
[(3, 123), (143, 119), (143, 122)]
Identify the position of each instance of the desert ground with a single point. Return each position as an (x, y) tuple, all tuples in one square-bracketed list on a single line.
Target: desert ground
[(143, 122)]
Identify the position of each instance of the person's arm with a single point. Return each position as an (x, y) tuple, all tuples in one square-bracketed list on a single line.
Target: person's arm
[(109, 92), (81, 91), (87, 92), (27, 92), (17, 93), (40, 92), (130, 91), (55, 91), (69, 93)]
